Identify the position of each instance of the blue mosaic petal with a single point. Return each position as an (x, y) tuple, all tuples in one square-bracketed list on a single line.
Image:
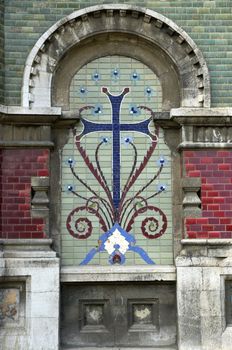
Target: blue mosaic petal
[(127, 140), (115, 74), (143, 254), (83, 91), (89, 256), (96, 76), (116, 253), (134, 110), (105, 139), (162, 187), (70, 162), (148, 92), (97, 110), (69, 188), (135, 76), (162, 161)]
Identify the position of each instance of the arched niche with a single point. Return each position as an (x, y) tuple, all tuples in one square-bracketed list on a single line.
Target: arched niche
[(116, 44), (116, 29)]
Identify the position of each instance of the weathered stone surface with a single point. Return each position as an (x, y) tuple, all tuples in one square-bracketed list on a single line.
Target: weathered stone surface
[(201, 295), (40, 276), (130, 273)]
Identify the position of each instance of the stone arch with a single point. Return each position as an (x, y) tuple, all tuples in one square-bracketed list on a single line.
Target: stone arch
[(179, 60)]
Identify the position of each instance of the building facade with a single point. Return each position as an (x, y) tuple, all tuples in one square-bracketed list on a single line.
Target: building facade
[(116, 164)]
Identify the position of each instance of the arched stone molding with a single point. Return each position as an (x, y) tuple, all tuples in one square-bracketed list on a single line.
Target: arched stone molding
[(144, 26)]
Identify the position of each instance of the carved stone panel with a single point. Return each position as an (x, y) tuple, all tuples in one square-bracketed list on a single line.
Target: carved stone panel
[(12, 305), (122, 315), (212, 134), (9, 304)]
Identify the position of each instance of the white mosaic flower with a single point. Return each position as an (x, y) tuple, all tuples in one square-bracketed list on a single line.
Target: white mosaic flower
[(116, 241)]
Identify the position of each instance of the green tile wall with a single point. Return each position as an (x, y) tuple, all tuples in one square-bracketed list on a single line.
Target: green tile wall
[(74, 250), (209, 23)]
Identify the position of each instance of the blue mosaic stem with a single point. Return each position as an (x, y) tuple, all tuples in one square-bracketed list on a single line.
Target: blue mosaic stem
[(116, 104)]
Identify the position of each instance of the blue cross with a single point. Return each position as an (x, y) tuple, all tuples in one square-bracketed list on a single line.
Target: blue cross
[(116, 127)]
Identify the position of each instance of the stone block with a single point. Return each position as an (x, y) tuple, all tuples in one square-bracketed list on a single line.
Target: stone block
[(37, 302)]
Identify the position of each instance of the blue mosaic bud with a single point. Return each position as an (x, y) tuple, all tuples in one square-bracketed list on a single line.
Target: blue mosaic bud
[(97, 109), (70, 188), (162, 188), (105, 139), (127, 140), (115, 74), (148, 92), (134, 110), (96, 77)]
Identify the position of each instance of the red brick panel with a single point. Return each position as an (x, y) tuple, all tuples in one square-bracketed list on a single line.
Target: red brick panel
[(17, 168), (215, 169)]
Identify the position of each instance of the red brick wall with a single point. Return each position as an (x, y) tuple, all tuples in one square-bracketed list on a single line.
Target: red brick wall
[(215, 169), (17, 167)]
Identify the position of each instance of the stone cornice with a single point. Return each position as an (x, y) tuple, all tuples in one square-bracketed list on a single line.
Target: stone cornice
[(17, 115), (202, 116), (21, 115)]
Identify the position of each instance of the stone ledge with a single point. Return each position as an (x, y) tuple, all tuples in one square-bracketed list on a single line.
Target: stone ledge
[(201, 261), (28, 144), (212, 241), (197, 145), (9, 254), (120, 348), (117, 273), (201, 112), (16, 110), (202, 116), (211, 252), (26, 248), (23, 115), (26, 244)]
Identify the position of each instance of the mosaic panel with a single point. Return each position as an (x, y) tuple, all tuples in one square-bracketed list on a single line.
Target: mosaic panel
[(116, 169)]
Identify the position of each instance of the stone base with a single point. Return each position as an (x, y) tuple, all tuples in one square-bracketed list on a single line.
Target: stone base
[(202, 269), (29, 296)]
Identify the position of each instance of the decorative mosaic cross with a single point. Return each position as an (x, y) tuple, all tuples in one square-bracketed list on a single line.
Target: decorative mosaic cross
[(116, 127)]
